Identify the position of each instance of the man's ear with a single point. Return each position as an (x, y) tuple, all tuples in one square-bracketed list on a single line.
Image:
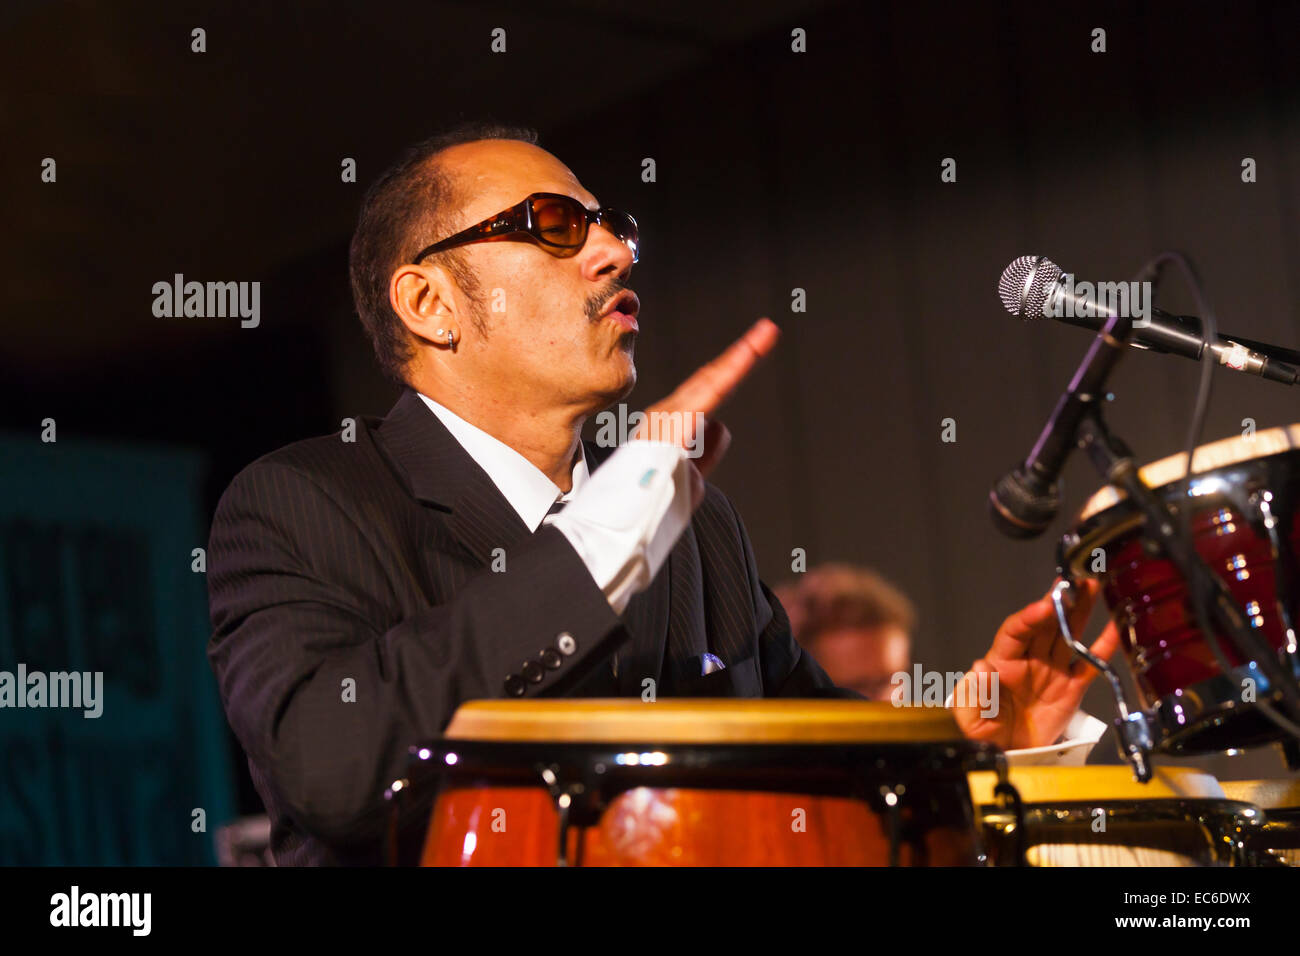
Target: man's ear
[(422, 298)]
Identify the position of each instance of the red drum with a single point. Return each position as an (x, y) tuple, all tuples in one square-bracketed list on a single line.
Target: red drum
[(1246, 527), (695, 783)]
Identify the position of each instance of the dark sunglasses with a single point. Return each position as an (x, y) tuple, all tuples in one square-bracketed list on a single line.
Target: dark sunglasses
[(557, 223)]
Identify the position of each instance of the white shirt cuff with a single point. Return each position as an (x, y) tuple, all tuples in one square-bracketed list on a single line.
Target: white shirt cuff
[(1071, 750), (627, 518), (1081, 735)]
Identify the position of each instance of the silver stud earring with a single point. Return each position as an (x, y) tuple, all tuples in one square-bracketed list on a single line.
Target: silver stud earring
[(441, 331)]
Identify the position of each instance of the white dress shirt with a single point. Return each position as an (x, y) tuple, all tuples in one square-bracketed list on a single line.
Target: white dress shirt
[(624, 519)]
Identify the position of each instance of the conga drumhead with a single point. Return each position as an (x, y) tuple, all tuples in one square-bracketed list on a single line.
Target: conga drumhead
[(1268, 794), (701, 721), (1098, 785), (1217, 454), (1102, 816)]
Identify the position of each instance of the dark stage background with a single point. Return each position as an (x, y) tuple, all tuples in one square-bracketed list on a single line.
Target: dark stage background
[(775, 170)]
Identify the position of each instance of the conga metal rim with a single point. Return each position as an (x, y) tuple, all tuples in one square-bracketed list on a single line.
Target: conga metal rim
[(616, 767), (1231, 825), (1178, 720), (1159, 808)]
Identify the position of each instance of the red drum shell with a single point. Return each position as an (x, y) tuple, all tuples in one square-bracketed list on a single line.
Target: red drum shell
[(1172, 663)]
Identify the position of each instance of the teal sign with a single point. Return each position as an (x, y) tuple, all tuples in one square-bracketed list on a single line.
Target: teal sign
[(112, 740)]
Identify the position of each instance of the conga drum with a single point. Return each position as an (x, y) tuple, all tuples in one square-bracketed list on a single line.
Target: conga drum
[(1279, 838), (697, 782), (1101, 816), (1245, 525)]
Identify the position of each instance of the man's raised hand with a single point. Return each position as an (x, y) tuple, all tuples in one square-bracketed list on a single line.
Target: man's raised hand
[(680, 415)]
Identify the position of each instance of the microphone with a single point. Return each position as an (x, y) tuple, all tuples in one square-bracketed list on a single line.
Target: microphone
[(1034, 287), (1026, 500)]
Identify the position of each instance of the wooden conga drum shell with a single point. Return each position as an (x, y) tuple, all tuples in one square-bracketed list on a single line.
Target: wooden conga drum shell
[(702, 783), (651, 826), (1101, 816)]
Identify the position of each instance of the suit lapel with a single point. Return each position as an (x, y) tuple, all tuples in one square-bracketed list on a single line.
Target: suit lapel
[(439, 472)]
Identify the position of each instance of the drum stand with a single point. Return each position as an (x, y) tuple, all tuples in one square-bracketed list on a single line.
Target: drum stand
[(1210, 598)]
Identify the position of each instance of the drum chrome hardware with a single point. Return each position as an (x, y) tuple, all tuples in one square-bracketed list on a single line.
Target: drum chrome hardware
[(566, 795), (1132, 727), (1009, 801), (1277, 842), (892, 795)]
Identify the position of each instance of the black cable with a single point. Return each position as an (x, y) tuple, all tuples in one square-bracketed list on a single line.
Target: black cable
[(1151, 273)]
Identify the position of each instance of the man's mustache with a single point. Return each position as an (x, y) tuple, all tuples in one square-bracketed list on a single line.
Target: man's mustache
[(594, 308)]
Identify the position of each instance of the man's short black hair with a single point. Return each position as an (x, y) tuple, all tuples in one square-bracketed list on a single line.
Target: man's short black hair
[(411, 205)]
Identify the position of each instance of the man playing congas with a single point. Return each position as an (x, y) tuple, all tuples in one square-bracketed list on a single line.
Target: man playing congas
[(470, 545)]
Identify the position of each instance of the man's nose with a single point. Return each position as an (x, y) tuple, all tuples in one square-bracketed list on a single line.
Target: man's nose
[(605, 254)]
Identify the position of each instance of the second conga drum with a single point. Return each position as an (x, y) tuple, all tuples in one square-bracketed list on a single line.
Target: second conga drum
[(699, 782), (1101, 816)]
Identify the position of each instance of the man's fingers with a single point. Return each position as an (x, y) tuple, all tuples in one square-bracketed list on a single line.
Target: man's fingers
[(1017, 631), (677, 417), (717, 439), (1034, 631), (712, 383), (966, 709), (1107, 643)]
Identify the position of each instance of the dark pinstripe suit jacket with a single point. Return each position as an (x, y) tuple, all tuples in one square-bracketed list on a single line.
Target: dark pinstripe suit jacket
[(354, 608)]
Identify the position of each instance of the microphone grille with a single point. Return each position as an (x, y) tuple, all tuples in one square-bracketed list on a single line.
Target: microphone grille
[(1028, 279)]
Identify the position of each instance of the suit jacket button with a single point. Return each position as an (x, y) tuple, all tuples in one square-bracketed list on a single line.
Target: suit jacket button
[(550, 659), (515, 686), (566, 643), (532, 672)]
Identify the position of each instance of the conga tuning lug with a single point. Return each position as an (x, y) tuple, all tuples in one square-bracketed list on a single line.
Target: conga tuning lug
[(1008, 798), (890, 794), (575, 806), (1135, 743)]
